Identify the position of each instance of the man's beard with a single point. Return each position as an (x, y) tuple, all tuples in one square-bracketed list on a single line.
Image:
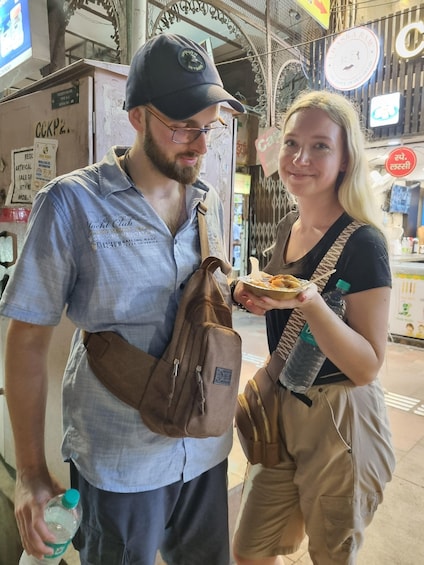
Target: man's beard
[(183, 175)]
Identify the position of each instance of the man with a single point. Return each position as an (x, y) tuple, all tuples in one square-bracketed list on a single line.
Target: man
[(115, 243)]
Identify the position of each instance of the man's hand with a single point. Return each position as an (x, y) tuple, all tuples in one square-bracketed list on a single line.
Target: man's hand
[(31, 496)]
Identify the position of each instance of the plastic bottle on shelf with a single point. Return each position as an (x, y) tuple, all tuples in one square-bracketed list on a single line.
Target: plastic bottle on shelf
[(63, 515), (415, 245), (306, 359)]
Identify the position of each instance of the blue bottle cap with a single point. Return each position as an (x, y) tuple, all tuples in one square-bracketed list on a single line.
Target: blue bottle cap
[(71, 498)]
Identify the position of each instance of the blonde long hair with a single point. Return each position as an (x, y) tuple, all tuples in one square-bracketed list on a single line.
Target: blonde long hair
[(354, 185)]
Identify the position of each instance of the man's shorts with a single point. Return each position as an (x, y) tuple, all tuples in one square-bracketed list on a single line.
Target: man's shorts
[(188, 522)]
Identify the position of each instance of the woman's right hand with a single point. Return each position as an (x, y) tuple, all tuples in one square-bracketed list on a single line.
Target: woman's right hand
[(246, 299), (260, 305)]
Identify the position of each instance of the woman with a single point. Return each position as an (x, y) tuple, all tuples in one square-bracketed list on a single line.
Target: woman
[(336, 451)]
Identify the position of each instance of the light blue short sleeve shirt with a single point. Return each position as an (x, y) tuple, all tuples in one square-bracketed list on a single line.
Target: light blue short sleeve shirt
[(96, 248)]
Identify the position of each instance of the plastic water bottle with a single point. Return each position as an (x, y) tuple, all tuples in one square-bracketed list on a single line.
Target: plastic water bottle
[(63, 515), (306, 359)]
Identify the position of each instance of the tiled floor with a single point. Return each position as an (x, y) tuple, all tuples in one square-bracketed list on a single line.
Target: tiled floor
[(396, 535)]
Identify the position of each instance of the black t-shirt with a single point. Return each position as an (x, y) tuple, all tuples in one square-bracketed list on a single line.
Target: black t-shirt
[(363, 263)]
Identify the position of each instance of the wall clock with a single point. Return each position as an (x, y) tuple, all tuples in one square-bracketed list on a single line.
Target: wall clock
[(352, 58)]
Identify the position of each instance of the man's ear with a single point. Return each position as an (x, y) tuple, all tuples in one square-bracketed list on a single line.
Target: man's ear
[(137, 118)]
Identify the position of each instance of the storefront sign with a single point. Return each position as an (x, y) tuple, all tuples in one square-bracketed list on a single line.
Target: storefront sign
[(352, 58), (247, 132), (407, 317), (268, 149), (318, 9), (405, 47), (384, 109), (242, 183), (401, 162)]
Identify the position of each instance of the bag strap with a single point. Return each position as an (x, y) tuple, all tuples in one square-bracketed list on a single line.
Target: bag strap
[(207, 260), (203, 233), (296, 320)]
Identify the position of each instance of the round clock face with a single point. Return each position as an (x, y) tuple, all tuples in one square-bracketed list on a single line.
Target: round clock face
[(352, 58)]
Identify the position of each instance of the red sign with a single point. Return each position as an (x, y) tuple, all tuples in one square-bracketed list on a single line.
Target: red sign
[(268, 148), (401, 162)]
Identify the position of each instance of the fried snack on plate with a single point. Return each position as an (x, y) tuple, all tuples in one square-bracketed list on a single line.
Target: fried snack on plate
[(285, 281), (278, 287)]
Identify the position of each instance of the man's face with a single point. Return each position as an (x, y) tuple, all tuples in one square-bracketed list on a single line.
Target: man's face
[(180, 162)]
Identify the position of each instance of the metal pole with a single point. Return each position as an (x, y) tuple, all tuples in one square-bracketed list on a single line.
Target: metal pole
[(270, 87), (137, 17)]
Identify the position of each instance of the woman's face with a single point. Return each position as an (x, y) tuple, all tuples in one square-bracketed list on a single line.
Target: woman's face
[(312, 154)]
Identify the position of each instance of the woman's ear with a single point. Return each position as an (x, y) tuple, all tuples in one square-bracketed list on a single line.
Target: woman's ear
[(344, 163), (137, 118)]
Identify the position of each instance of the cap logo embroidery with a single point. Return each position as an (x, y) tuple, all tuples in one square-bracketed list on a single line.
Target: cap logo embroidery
[(191, 60)]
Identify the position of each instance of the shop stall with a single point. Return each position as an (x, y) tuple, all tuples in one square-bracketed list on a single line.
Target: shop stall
[(407, 300), (398, 175)]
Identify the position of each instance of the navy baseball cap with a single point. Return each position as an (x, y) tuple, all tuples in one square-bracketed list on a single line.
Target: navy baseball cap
[(177, 76)]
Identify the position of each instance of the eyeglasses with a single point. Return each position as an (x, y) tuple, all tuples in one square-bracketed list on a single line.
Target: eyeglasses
[(188, 135)]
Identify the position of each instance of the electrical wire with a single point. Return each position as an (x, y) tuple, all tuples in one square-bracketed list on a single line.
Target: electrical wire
[(296, 45)]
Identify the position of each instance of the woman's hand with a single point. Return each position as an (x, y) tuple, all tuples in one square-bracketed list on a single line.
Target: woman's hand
[(260, 305)]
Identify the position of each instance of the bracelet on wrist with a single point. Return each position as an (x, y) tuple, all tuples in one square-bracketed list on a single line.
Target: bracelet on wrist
[(233, 285)]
